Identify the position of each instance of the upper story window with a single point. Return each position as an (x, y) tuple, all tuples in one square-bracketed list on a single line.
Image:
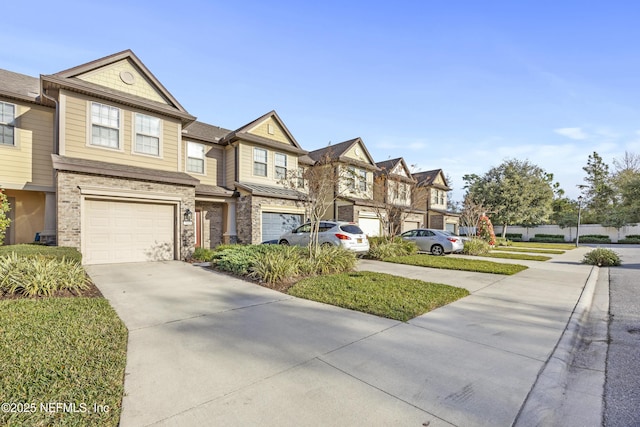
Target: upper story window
[(105, 125), (362, 179), (259, 162), (281, 166), (7, 117), (195, 157), (439, 197), (147, 138), (300, 177)]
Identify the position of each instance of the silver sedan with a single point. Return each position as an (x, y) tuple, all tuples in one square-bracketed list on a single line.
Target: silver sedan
[(434, 241)]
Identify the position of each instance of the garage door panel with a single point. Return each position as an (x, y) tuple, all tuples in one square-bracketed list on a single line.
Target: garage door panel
[(275, 224), (370, 226), (116, 231)]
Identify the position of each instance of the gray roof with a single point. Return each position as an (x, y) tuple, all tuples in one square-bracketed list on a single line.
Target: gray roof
[(269, 190), (204, 132), (212, 190), (19, 85), (426, 178), (122, 171), (334, 151)]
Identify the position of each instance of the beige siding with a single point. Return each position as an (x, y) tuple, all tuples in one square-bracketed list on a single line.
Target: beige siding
[(109, 76), (277, 132), (29, 161), (246, 165), (213, 164), (76, 130), (438, 179), (361, 154), (345, 189), (29, 214), (230, 160)]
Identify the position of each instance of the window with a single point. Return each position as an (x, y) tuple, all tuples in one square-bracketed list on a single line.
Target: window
[(281, 166), (362, 180), (259, 162), (442, 200), (300, 177), (7, 117), (105, 125), (195, 157), (147, 135), (351, 178), (404, 192)]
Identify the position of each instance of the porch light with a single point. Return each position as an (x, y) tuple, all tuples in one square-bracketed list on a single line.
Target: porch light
[(188, 216)]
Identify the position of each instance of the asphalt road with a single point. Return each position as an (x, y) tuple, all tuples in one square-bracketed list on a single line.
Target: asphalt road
[(622, 384)]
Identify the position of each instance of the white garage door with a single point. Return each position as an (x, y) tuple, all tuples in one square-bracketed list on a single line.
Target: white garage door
[(410, 225), (275, 224), (370, 226), (127, 232)]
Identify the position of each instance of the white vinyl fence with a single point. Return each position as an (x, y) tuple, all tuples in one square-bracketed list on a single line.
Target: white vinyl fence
[(570, 233)]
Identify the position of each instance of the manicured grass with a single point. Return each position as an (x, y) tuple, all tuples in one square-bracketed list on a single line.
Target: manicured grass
[(525, 257), (558, 246), (381, 294), (48, 251), (61, 351), (531, 251), (463, 264)]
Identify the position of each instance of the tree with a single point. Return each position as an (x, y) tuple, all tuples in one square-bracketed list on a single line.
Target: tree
[(472, 211), (626, 180), (317, 190), (4, 221), (600, 192), (516, 192), (564, 213), (395, 200)]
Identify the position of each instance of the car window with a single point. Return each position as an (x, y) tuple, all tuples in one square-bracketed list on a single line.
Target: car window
[(352, 229), (325, 226), (411, 233), (304, 229), (428, 233)]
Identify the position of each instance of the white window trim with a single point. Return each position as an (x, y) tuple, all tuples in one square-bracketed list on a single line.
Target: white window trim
[(204, 158), (253, 162), (90, 128), (15, 128), (134, 133), (275, 166)]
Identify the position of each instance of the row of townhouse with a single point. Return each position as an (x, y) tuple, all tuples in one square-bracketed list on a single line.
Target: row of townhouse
[(103, 158)]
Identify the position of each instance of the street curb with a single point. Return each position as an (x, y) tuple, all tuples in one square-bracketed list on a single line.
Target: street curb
[(546, 394)]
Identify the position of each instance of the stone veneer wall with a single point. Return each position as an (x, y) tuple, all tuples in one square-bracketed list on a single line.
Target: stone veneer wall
[(68, 204), (249, 216), (436, 221), (213, 225), (345, 213)]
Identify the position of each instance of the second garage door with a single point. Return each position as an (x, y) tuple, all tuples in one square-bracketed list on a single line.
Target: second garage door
[(370, 226), (116, 231), (275, 224)]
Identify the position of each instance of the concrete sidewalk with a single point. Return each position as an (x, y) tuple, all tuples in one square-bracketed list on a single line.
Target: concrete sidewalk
[(208, 349)]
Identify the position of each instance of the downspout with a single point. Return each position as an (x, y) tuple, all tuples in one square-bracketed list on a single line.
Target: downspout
[(52, 226), (56, 119)]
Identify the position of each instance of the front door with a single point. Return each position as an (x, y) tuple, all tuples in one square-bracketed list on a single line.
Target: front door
[(198, 228)]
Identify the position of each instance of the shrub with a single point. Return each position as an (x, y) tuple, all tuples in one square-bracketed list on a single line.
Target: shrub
[(547, 240), (485, 230), (236, 259), (602, 257), (202, 254), (594, 238), (501, 241), (40, 276), (475, 247), (633, 236), (628, 240), (277, 265), (517, 237), (549, 236), (331, 259), (380, 248)]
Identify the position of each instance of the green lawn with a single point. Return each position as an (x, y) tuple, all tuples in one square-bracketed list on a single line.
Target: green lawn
[(526, 257), (531, 251), (381, 294), (61, 351), (451, 263), (538, 245), (48, 251)]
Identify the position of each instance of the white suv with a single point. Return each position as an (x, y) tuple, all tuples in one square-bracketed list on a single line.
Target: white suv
[(336, 233)]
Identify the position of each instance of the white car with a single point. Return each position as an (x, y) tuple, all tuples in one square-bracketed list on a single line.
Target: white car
[(435, 241), (346, 234)]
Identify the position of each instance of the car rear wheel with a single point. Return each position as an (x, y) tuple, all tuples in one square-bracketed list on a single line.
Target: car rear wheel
[(283, 242), (437, 250)]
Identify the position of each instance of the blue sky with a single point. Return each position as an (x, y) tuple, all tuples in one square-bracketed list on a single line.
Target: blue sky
[(457, 85)]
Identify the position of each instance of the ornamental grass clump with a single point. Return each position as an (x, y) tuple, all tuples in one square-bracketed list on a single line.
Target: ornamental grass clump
[(40, 276), (475, 247), (381, 248), (602, 258)]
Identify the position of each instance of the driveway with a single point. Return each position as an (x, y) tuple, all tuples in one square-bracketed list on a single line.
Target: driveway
[(208, 349)]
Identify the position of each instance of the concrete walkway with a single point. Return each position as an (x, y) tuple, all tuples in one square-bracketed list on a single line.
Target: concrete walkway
[(208, 349)]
